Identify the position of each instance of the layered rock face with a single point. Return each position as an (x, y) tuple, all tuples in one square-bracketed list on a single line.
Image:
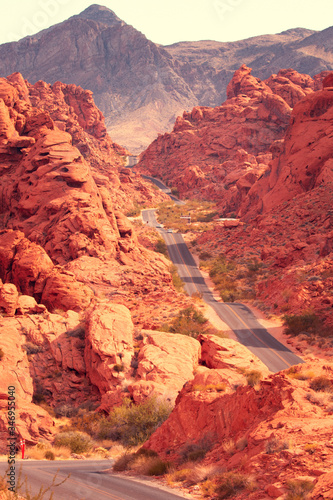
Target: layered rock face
[(70, 261)]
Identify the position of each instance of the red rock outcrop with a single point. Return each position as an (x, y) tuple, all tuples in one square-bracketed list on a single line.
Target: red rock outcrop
[(109, 345), (165, 362), (31, 422), (219, 153), (263, 432), (305, 161)]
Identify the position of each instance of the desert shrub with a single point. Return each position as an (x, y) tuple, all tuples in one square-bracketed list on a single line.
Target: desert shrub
[(253, 377), (135, 211), (205, 256), (133, 424), (161, 247), (157, 467), (208, 217), (65, 410), (77, 441), (1, 354), (242, 443), (321, 383), (49, 455), (119, 367), (299, 489), (31, 348), (276, 445), (230, 483), (88, 422), (191, 452), (306, 323), (123, 463), (210, 387), (189, 322), (176, 280), (102, 451), (297, 373), (229, 446)]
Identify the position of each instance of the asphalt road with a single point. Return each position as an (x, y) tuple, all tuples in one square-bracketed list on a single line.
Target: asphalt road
[(163, 188), (238, 317), (87, 481)]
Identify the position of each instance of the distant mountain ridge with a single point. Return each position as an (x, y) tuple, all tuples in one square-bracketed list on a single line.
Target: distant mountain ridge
[(140, 86)]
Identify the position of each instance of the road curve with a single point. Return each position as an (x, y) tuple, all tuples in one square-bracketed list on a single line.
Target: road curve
[(87, 481), (238, 317)]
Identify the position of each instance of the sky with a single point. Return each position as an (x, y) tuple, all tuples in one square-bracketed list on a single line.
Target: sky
[(169, 21)]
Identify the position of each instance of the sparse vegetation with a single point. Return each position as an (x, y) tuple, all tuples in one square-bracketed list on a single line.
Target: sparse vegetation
[(230, 483), (189, 321), (176, 280), (31, 348), (234, 280), (135, 211), (133, 424), (77, 441), (299, 489), (161, 247), (307, 323), (145, 462), (191, 452), (276, 445), (321, 383), (253, 377)]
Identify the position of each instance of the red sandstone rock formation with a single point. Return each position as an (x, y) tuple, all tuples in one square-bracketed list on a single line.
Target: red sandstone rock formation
[(220, 153), (262, 432)]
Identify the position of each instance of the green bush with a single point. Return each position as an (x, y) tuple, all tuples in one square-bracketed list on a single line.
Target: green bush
[(78, 442), (133, 424), (176, 280), (189, 322), (306, 323), (118, 368), (161, 247), (65, 410)]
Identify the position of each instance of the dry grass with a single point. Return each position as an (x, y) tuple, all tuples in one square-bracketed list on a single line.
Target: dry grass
[(38, 453), (229, 446)]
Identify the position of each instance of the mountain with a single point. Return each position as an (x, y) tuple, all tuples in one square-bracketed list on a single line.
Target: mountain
[(141, 87)]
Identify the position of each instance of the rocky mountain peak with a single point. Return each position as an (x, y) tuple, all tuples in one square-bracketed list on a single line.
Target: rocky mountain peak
[(100, 14)]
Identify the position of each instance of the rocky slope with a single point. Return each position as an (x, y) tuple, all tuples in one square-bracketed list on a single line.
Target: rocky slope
[(268, 435), (219, 153), (141, 87), (70, 262)]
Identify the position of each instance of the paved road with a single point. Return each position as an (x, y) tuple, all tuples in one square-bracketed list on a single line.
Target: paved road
[(238, 317), (163, 188), (86, 482)]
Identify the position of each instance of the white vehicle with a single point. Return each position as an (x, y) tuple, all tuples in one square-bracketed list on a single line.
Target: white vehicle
[(170, 231)]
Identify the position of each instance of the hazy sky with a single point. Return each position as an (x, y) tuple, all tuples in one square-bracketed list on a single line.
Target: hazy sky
[(170, 21)]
